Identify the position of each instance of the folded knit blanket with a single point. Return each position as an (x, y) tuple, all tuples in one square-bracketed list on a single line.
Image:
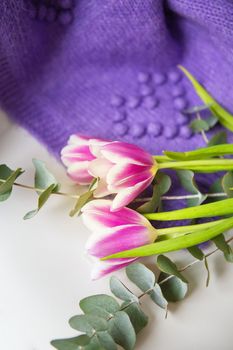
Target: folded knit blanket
[(108, 68)]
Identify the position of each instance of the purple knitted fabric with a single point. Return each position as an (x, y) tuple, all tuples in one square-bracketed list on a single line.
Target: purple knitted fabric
[(107, 68)]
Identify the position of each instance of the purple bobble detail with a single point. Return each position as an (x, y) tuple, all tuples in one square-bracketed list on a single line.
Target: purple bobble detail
[(66, 4), (180, 103), (174, 76), (133, 102), (178, 91), (42, 12), (186, 132), (181, 119), (151, 102), (146, 90), (159, 78), (117, 101), (119, 116), (121, 129), (137, 130), (143, 77), (170, 132), (65, 17), (51, 14), (154, 129)]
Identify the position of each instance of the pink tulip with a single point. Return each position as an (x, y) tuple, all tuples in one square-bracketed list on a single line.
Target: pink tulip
[(113, 232), (129, 170), (122, 168), (76, 156)]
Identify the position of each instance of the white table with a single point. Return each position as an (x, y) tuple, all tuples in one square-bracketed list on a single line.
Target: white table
[(44, 272)]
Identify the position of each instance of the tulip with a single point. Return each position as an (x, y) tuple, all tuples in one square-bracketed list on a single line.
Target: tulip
[(76, 156), (123, 169), (129, 170), (114, 232)]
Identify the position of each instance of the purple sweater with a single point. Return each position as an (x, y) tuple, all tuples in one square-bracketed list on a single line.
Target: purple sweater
[(107, 68)]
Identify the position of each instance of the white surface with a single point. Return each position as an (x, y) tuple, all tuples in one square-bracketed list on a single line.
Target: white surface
[(44, 273)]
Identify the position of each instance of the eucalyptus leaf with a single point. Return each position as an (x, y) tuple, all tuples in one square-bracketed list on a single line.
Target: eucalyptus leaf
[(90, 324), (161, 185), (173, 288), (43, 177), (227, 183), (198, 125), (137, 317), (106, 340), (122, 331), (224, 117), (81, 201), (157, 297), (196, 252), (222, 245), (101, 304), (42, 199), (211, 120), (121, 291), (196, 109), (169, 267), (218, 139), (188, 182), (140, 275), (9, 176), (76, 343)]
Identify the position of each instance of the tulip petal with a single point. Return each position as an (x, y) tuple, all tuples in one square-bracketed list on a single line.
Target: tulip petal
[(127, 195), (102, 189), (78, 140), (99, 167), (101, 268), (118, 152), (121, 176), (71, 154), (120, 239), (79, 173), (98, 217), (96, 146)]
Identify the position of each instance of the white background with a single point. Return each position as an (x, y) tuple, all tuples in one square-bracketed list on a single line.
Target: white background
[(44, 272)]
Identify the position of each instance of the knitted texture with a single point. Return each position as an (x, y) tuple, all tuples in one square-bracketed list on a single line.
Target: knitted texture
[(107, 68)]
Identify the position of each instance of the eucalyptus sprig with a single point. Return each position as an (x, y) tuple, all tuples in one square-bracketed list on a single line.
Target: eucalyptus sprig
[(106, 323)]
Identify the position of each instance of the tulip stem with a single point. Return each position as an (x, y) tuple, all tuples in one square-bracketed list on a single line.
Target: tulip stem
[(203, 165), (186, 196)]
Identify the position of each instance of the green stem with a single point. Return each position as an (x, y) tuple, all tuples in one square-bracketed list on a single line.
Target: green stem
[(223, 207), (206, 165)]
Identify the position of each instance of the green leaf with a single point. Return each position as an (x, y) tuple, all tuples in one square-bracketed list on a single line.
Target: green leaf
[(196, 109), (122, 331), (178, 243), (76, 343), (218, 139), (137, 317), (43, 177), (174, 289), (196, 252), (88, 324), (227, 183), (224, 117), (162, 184), (140, 275), (198, 125), (188, 182), (82, 200), (43, 197), (101, 304), (9, 176), (222, 245), (106, 340), (120, 290), (169, 267), (211, 120), (157, 297), (202, 153)]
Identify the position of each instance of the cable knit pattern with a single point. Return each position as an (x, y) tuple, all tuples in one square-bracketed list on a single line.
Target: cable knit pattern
[(107, 68)]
